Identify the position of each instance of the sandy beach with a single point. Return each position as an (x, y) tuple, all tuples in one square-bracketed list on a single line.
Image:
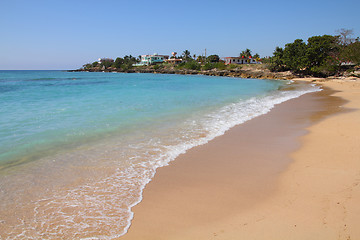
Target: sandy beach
[(293, 173)]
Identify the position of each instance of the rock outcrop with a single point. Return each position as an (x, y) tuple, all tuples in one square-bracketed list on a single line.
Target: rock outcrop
[(245, 71)]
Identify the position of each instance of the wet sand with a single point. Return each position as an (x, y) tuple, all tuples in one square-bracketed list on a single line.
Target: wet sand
[(288, 174)]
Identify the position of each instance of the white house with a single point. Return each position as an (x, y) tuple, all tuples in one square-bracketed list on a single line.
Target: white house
[(174, 60), (240, 60), (151, 59)]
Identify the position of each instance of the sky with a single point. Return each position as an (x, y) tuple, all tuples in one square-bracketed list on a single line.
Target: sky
[(66, 34)]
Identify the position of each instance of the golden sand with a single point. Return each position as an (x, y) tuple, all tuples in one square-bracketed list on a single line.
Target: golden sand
[(267, 178)]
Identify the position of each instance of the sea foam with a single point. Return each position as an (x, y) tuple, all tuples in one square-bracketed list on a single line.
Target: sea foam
[(107, 204), (100, 208)]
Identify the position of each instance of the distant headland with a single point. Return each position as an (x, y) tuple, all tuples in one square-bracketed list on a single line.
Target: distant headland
[(321, 56)]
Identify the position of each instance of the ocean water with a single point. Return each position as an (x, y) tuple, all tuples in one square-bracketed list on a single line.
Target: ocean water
[(77, 149)]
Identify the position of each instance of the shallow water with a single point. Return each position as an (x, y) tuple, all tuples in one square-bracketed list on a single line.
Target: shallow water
[(77, 149)]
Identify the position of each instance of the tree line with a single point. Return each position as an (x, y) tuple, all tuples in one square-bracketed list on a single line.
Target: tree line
[(124, 63), (189, 61), (320, 56)]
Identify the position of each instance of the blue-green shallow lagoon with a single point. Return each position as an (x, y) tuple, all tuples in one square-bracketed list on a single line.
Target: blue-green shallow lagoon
[(42, 110), (84, 145)]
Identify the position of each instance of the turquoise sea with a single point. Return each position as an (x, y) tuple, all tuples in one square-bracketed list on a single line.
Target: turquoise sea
[(78, 148)]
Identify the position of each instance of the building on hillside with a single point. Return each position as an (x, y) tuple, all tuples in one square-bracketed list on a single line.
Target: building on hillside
[(174, 61), (102, 60), (151, 59), (240, 60)]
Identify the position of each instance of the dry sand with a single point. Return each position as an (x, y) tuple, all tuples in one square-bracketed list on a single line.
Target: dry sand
[(267, 178)]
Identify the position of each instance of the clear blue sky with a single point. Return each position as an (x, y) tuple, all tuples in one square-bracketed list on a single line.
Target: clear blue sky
[(66, 34)]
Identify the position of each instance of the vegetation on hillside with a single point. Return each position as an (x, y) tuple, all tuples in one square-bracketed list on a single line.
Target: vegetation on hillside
[(124, 63), (202, 63), (320, 56), (190, 62)]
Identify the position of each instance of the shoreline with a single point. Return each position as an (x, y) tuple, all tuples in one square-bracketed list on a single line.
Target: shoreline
[(177, 216), (27, 221), (255, 71), (245, 71)]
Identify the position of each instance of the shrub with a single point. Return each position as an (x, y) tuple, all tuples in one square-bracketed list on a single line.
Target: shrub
[(220, 65), (156, 67), (213, 58), (193, 65), (233, 66), (208, 66), (324, 70), (180, 65)]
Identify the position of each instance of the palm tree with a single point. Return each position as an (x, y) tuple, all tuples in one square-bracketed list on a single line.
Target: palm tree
[(246, 53), (256, 56), (186, 54), (200, 59)]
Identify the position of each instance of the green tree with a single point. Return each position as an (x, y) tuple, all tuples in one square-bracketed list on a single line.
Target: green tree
[(87, 66), (276, 62), (351, 53), (129, 59), (208, 66), (200, 59), (320, 49), (118, 62), (95, 64), (128, 62), (213, 58), (294, 55), (193, 65), (321, 56), (107, 64), (256, 56), (220, 65), (190, 64), (246, 53), (186, 55)]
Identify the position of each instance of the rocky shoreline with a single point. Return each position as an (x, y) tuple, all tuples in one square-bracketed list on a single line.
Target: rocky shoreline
[(246, 71), (258, 71)]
